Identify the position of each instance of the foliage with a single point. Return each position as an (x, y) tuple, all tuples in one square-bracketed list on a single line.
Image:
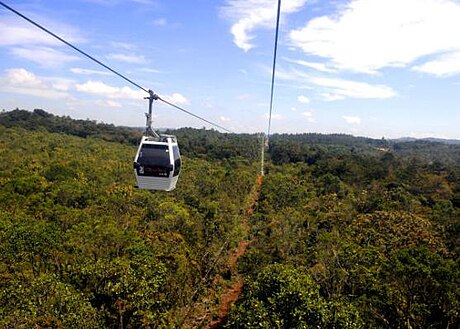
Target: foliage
[(376, 230), (193, 142), (81, 248), (284, 297), (346, 233)]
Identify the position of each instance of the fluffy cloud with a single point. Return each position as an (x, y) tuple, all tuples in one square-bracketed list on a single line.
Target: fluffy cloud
[(100, 88), (44, 56), (78, 70), (122, 45), (274, 116), (177, 99), (331, 89), (16, 32), (128, 58), (112, 103), (313, 65), (340, 89), (248, 15), (352, 120), (26, 41), (160, 22), (303, 99), (368, 35), (309, 117), (21, 81), (443, 66), (330, 97)]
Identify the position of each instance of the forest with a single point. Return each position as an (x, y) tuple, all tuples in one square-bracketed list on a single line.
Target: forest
[(341, 231)]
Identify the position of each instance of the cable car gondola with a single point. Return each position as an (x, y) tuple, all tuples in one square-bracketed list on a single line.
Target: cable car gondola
[(157, 162)]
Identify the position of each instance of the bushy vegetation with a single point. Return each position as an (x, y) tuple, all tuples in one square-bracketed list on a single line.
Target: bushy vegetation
[(203, 143), (346, 233), (81, 248), (350, 237)]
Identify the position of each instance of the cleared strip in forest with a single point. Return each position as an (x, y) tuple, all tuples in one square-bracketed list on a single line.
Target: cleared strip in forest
[(232, 293), (202, 314)]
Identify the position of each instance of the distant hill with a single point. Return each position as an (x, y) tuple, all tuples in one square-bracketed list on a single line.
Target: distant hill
[(42, 120), (428, 139), (284, 148), (193, 142)]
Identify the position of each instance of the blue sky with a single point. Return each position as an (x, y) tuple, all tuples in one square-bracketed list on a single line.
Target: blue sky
[(377, 68)]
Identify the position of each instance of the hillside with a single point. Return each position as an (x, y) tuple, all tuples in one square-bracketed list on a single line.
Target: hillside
[(194, 142), (344, 232), (81, 248)]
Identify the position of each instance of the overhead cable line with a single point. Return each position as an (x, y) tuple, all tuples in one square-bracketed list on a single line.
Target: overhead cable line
[(194, 115), (274, 68), (106, 66), (265, 139), (71, 46)]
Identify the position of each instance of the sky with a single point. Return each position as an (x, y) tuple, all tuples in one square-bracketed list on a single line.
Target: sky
[(375, 68)]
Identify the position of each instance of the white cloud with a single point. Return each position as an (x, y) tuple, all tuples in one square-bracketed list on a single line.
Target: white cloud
[(368, 35), (107, 103), (97, 87), (339, 89), (248, 15), (303, 99), (244, 97), (112, 103), (352, 120), (443, 66), (16, 32), (329, 97), (334, 88), (160, 22), (313, 65), (128, 58), (149, 70), (224, 119), (274, 116), (100, 88), (309, 117), (122, 45), (77, 70), (21, 81), (177, 99), (62, 84), (44, 56)]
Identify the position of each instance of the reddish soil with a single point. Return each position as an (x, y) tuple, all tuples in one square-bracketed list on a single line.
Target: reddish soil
[(255, 197), (232, 294), (228, 298), (236, 254)]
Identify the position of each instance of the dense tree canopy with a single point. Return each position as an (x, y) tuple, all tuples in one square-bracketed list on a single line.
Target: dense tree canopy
[(345, 233)]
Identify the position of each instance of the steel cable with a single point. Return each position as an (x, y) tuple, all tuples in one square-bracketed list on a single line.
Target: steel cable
[(106, 66)]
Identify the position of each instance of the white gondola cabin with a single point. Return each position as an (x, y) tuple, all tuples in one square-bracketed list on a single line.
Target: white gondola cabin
[(157, 163)]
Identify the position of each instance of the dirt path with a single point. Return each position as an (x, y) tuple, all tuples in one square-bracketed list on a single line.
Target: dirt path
[(231, 294), (202, 312)]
